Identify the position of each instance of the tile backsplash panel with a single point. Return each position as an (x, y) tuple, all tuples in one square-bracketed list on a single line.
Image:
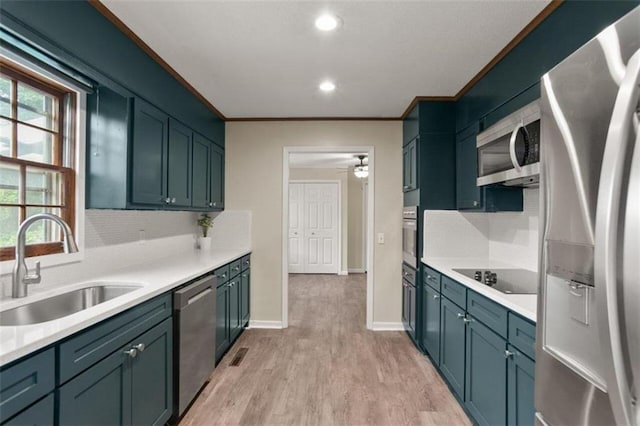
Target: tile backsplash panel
[(511, 237)]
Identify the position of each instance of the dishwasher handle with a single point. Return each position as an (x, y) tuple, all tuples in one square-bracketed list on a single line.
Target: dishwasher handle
[(193, 292)]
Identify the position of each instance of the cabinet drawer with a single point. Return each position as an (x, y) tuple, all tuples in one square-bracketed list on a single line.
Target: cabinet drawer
[(40, 413), (222, 275), (88, 347), (432, 278), (235, 267), (488, 312), (25, 382), (454, 291), (246, 262), (522, 335)]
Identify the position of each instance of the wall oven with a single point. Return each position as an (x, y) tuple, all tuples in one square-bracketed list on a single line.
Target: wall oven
[(410, 236), (509, 151)]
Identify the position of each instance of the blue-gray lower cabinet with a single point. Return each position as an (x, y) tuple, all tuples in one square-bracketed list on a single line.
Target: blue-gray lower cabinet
[(121, 389), (39, 414), (452, 345), (486, 374), (235, 326), (431, 322), (245, 289), (520, 389), (222, 320)]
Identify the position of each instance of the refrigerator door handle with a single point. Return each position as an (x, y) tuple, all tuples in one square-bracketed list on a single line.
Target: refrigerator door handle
[(607, 218)]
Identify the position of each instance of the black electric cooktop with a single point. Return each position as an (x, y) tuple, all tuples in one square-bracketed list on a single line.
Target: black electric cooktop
[(508, 281)]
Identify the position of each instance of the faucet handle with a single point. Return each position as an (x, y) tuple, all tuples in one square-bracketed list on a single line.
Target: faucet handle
[(35, 277)]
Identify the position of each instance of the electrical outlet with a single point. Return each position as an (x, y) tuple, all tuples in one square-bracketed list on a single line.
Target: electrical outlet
[(142, 235), (381, 238)]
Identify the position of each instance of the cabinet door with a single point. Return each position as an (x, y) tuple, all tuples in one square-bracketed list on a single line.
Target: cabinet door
[(179, 164), (222, 320), (245, 289), (149, 155), (431, 323), (452, 345), (152, 376), (40, 413), (234, 307), (406, 305), (412, 310), (99, 396), (216, 184), (201, 172), (468, 194), (409, 164), (486, 375), (520, 389)]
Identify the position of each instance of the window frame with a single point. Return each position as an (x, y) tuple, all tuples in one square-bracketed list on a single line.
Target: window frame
[(64, 151)]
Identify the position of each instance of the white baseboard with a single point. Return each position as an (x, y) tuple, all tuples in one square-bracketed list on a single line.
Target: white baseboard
[(356, 270), (265, 324), (387, 326), (343, 273)]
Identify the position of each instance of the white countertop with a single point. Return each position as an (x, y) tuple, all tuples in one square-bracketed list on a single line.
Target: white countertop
[(522, 304), (155, 277)]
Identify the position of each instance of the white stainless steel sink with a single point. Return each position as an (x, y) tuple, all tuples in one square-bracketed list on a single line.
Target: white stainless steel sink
[(62, 305)]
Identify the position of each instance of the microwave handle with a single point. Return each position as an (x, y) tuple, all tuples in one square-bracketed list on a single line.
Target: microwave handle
[(512, 146)]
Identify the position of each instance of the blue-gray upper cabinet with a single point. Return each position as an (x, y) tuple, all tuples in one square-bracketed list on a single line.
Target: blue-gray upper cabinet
[(179, 167), (486, 374), (520, 385), (409, 166), (469, 196), (149, 155), (452, 345), (201, 170), (216, 183)]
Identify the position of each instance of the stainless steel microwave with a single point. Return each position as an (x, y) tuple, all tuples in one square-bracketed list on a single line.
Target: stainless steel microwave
[(509, 151)]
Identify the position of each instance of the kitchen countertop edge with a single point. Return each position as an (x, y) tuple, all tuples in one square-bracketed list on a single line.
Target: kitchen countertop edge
[(157, 277), (522, 304)]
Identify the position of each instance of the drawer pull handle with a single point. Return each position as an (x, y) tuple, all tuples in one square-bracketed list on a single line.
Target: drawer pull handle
[(131, 352), (508, 354), (467, 320), (435, 296), (460, 315), (139, 347)]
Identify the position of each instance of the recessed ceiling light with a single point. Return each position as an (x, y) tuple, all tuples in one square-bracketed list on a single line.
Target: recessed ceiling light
[(327, 22), (327, 86)]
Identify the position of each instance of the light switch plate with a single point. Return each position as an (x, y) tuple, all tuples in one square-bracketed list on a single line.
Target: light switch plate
[(381, 238)]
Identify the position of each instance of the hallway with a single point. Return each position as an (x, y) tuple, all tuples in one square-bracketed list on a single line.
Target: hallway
[(326, 368)]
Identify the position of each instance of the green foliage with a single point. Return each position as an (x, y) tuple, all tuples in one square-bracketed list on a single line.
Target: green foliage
[(205, 222)]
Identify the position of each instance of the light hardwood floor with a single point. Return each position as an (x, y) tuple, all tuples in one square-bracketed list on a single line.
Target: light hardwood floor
[(326, 369)]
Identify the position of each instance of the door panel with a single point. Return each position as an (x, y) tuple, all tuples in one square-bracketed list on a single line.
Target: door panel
[(216, 184), (520, 389), (201, 171), (321, 228), (222, 320), (296, 228), (179, 168), (431, 323), (234, 308), (452, 345)]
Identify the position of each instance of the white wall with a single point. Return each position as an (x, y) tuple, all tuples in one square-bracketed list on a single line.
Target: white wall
[(511, 237), (355, 214), (254, 152)]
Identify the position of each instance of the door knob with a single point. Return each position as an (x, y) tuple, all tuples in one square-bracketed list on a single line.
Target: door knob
[(508, 354), (139, 347), (460, 315), (167, 200), (435, 296), (210, 204), (173, 201), (131, 352)]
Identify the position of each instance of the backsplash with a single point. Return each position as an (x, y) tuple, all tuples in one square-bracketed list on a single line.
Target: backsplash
[(510, 237)]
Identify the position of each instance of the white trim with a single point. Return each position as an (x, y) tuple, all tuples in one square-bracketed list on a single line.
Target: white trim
[(356, 271), (343, 273), (285, 222), (265, 324), (339, 204), (365, 185), (387, 326)]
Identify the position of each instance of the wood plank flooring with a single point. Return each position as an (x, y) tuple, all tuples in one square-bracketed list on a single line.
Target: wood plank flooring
[(326, 369)]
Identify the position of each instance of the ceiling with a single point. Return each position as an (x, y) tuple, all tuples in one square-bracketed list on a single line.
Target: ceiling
[(324, 160), (266, 59)]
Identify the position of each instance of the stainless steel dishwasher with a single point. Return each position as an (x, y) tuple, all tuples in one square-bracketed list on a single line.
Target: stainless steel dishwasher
[(195, 339)]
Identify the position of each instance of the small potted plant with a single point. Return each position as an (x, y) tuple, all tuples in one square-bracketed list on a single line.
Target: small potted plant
[(205, 222)]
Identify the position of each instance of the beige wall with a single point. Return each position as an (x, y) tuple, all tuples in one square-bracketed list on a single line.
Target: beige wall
[(355, 214), (254, 153), (331, 174)]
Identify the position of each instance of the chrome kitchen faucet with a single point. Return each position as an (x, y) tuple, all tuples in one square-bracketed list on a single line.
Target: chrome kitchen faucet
[(21, 274)]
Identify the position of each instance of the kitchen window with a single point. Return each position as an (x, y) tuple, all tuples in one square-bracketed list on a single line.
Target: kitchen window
[(37, 143)]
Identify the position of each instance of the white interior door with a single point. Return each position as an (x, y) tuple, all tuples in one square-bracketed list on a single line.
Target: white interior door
[(296, 228), (313, 228), (321, 228)]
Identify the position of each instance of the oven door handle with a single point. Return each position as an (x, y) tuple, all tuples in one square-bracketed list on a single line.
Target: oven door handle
[(512, 146)]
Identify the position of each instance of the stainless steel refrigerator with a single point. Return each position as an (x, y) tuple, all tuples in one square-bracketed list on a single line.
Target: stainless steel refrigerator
[(588, 338)]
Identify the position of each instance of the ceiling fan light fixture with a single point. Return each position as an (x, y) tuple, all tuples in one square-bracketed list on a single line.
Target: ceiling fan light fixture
[(361, 170)]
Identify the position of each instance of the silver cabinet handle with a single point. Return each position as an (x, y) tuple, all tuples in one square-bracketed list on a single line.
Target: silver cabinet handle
[(173, 201), (476, 203), (435, 296), (508, 354), (405, 187), (210, 204), (429, 277), (167, 200), (139, 347), (468, 320), (459, 315), (131, 352)]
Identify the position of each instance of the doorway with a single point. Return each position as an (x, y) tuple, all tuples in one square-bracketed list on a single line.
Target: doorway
[(315, 226), (340, 161)]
